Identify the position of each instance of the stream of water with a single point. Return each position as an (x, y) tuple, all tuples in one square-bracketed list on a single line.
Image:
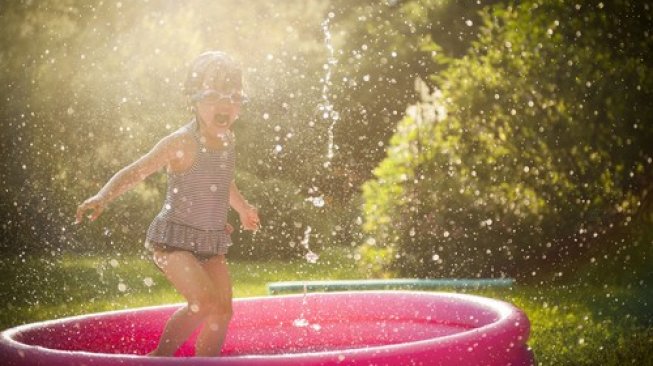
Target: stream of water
[(332, 116)]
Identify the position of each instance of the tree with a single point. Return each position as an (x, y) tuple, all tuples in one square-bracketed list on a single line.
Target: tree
[(91, 87), (540, 154)]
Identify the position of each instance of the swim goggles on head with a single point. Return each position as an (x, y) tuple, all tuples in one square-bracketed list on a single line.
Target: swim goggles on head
[(212, 96)]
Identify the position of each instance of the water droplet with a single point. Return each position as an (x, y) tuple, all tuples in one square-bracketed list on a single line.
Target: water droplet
[(148, 281), (114, 263), (317, 201), (299, 323), (122, 287), (312, 257)]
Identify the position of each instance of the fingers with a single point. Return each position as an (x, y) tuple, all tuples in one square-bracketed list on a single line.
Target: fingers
[(81, 210), (90, 204), (253, 217), (253, 220), (97, 211), (252, 223), (79, 214), (249, 219), (249, 224)]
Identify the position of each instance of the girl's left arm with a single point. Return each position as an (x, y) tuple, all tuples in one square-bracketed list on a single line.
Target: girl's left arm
[(248, 213)]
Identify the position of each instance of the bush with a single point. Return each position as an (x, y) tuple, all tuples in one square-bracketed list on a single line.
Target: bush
[(533, 155)]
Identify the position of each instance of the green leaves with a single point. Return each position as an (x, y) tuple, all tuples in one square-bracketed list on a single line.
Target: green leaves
[(543, 130)]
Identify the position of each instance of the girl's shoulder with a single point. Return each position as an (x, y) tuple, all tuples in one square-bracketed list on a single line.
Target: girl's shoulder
[(182, 139), (185, 132)]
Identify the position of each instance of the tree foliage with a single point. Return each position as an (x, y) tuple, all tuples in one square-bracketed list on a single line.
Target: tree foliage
[(91, 87), (532, 155)]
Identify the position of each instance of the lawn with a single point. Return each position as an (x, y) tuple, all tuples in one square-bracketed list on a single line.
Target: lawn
[(570, 325)]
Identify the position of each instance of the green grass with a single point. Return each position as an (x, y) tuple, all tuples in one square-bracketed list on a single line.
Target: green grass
[(44, 288), (570, 325)]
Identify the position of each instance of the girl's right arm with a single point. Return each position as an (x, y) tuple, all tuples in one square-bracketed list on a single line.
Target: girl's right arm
[(130, 175)]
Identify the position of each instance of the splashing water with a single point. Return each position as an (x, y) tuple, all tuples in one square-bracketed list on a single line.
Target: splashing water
[(311, 257), (328, 113), (302, 322), (316, 201), (326, 107)]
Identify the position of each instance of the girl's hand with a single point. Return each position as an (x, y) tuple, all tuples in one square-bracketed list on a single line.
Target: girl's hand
[(95, 204), (249, 218)]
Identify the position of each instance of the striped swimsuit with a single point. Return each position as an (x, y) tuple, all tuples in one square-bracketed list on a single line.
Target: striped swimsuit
[(194, 214)]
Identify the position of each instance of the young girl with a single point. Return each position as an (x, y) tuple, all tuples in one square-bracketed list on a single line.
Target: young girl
[(190, 236)]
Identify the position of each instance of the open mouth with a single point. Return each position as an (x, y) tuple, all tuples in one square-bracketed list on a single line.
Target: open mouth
[(221, 119)]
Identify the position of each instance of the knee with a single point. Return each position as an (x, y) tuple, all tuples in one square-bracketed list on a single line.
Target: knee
[(202, 306), (212, 307)]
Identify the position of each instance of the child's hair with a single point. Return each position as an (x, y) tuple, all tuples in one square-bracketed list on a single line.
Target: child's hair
[(215, 68)]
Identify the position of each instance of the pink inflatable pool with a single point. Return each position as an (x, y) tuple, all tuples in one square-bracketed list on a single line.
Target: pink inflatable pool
[(348, 328)]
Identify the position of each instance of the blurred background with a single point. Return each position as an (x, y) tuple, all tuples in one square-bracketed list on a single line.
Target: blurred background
[(469, 138), (525, 150)]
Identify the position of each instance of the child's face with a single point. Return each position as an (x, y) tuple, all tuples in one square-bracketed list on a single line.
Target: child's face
[(218, 110)]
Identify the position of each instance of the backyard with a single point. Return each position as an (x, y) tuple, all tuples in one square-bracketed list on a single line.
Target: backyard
[(585, 324), (390, 139)]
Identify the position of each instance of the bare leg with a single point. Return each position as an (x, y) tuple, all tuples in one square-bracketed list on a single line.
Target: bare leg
[(192, 281), (211, 338)]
